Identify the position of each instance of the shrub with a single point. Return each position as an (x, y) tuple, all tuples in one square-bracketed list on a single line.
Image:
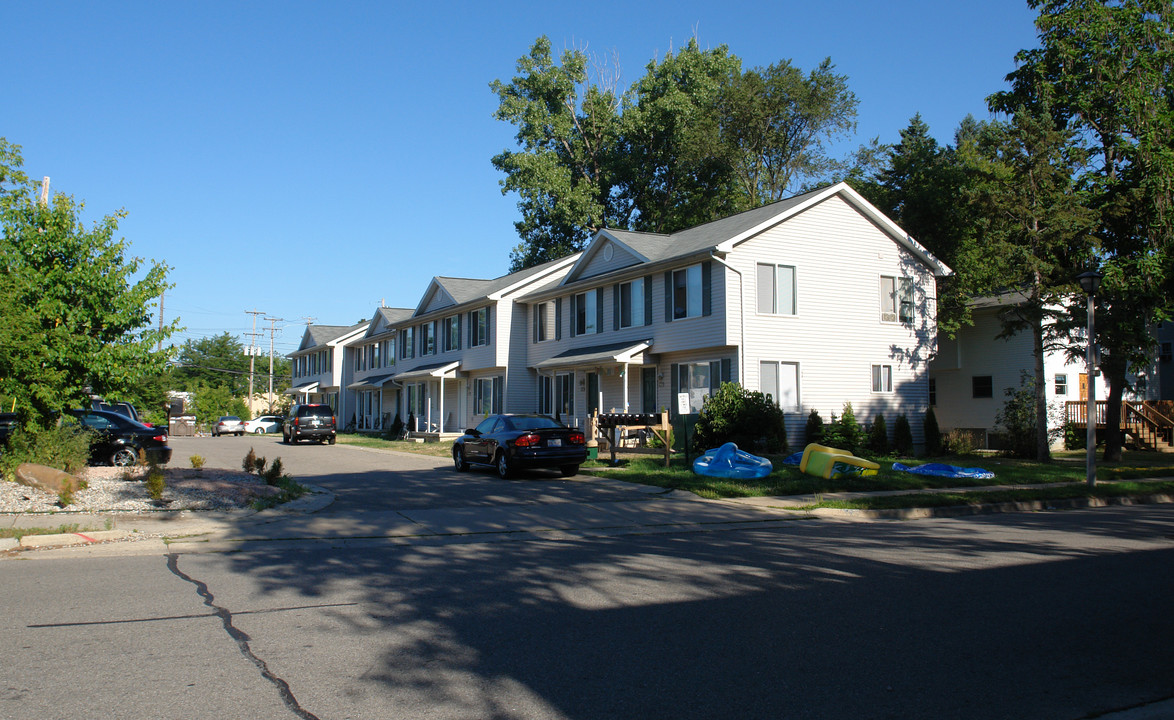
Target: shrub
[(959, 442), (878, 435), (66, 447), (155, 483), (259, 465), (654, 441), (1016, 419), (275, 472), (845, 433), (933, 434), (197, 462), (396, 429), (744, 417), (902, 436), (1074, 439), (250, 459), (814, 430)]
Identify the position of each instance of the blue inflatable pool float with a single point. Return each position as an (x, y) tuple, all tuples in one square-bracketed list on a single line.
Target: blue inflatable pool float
[(730, 462), (946, 471)]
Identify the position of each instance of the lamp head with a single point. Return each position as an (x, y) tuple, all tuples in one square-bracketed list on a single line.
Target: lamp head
[(1090, 281)]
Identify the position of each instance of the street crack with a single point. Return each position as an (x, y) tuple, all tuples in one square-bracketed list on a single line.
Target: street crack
[(242, 639)]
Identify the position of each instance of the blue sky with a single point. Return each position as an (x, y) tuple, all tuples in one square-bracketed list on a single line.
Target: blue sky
[(262, 148)]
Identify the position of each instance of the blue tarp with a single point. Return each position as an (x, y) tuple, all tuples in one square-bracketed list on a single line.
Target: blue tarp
[(729, 461), (947, 471)]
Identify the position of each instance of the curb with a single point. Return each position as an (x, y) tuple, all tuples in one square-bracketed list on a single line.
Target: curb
[(68, 539), (990, 508)]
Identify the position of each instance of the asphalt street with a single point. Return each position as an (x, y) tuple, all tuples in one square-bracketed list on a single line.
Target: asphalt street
[(1044, 615)]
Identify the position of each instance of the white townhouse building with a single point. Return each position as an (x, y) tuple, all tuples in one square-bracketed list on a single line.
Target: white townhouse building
[(818, 301), (371, 359), (317, 366), (460, 355)]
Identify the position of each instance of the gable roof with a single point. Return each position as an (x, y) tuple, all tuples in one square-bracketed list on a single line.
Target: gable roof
[(384, 318), (722, 236), (460, 291), (319, 335)]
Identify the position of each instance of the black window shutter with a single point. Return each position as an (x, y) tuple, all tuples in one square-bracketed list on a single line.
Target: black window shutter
[(715, 376), (460, 330), (558, 318), (668, 296), (574, 315), (615, 307), (599, 310), (706, 272), (674, 388), (488, 324), (727, 369), (534, 322), (647, 299)]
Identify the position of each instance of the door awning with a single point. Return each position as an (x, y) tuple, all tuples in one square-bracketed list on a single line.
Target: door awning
[(371, 383), (447, 371), (617, 353), (302, 389)]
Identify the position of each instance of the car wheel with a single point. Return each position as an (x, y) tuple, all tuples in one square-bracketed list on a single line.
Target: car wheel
[(123, 457), (503, 466), (215, 435), (458, 459), (569, 470), (259, 431), (331, 440)]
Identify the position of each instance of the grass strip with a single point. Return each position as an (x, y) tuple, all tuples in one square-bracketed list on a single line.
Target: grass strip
[(1103, 490), (18, 533)]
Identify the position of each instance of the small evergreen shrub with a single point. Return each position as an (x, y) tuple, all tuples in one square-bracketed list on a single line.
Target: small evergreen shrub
[(275, 472), (747, 418), (878, 436), (197, 462), (1074, 439), (902, 436), (845, 433), (959, 442), (933, 434), (156, 483), (814, 430), (249, 462)]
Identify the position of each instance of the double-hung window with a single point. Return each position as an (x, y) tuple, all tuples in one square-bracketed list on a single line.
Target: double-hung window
[(487, 395), (586, 313), (407, 343), (479, 327), (1061, 384), (687, 292), (780, 382), (543, 321), (451, 332), (632, 303), (896, 299), (882, 378), (428, 339), (776, 289)]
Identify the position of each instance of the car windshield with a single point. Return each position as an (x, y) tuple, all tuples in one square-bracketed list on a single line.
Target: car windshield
[(536, 422)]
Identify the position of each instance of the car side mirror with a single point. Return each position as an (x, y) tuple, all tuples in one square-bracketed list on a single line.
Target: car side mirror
[(473, 432)]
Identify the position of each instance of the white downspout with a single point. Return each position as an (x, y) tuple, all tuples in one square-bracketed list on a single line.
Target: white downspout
[(741, 320)]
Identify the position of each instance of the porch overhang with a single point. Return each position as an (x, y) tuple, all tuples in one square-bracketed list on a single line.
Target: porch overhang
[(371, 383), (616, 353), (302, 389), (444, 371)]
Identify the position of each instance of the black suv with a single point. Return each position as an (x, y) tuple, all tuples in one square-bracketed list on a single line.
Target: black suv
[(309, 422)]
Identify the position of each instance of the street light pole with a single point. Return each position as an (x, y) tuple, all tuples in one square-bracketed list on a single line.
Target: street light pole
[(1090, 282)]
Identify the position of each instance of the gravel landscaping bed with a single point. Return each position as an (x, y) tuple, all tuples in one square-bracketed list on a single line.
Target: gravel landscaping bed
[(114, 489)]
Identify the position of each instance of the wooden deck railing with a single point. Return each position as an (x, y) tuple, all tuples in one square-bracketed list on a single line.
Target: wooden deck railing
[(1143, 421)]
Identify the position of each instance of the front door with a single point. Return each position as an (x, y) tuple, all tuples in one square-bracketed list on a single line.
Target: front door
[(1084, 387), (592, 393), (648, 389)]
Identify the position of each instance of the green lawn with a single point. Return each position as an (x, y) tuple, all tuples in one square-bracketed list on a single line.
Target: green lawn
[(435, 449)]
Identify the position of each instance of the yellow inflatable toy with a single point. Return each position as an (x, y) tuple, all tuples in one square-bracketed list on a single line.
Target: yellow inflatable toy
[(828, 462)]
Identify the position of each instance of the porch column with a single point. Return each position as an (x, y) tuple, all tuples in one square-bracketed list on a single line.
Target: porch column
[(626, 387), (440, 425)]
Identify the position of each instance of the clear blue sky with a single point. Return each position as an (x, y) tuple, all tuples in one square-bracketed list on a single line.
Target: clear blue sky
[(262, 148)]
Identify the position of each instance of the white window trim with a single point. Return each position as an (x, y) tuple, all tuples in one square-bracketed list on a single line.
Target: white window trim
[(775, 290), (886, 388)]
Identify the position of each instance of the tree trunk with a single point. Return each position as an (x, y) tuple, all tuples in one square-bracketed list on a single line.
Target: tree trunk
[(1114, 374), (1042, 446)]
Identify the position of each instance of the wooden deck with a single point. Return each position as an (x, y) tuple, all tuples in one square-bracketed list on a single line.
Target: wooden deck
[(1147, 424)]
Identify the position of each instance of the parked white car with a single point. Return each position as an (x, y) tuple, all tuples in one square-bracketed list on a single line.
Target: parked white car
[(264, 424)]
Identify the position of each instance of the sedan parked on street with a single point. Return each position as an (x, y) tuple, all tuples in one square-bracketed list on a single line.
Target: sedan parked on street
[(118, 440), (512, 442), (228, 425), (263, 424)]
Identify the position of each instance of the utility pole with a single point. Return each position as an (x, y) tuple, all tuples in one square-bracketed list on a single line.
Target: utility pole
[(272, 329), (159, 347), (252, 350)]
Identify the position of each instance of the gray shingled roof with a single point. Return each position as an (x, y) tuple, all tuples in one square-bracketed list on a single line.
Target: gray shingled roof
[(393, 315), (465, 290)]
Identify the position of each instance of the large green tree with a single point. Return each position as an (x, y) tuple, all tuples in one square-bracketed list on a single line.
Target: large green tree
[(218, 361), (694, 139), (76, 310), (1107, 68)]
